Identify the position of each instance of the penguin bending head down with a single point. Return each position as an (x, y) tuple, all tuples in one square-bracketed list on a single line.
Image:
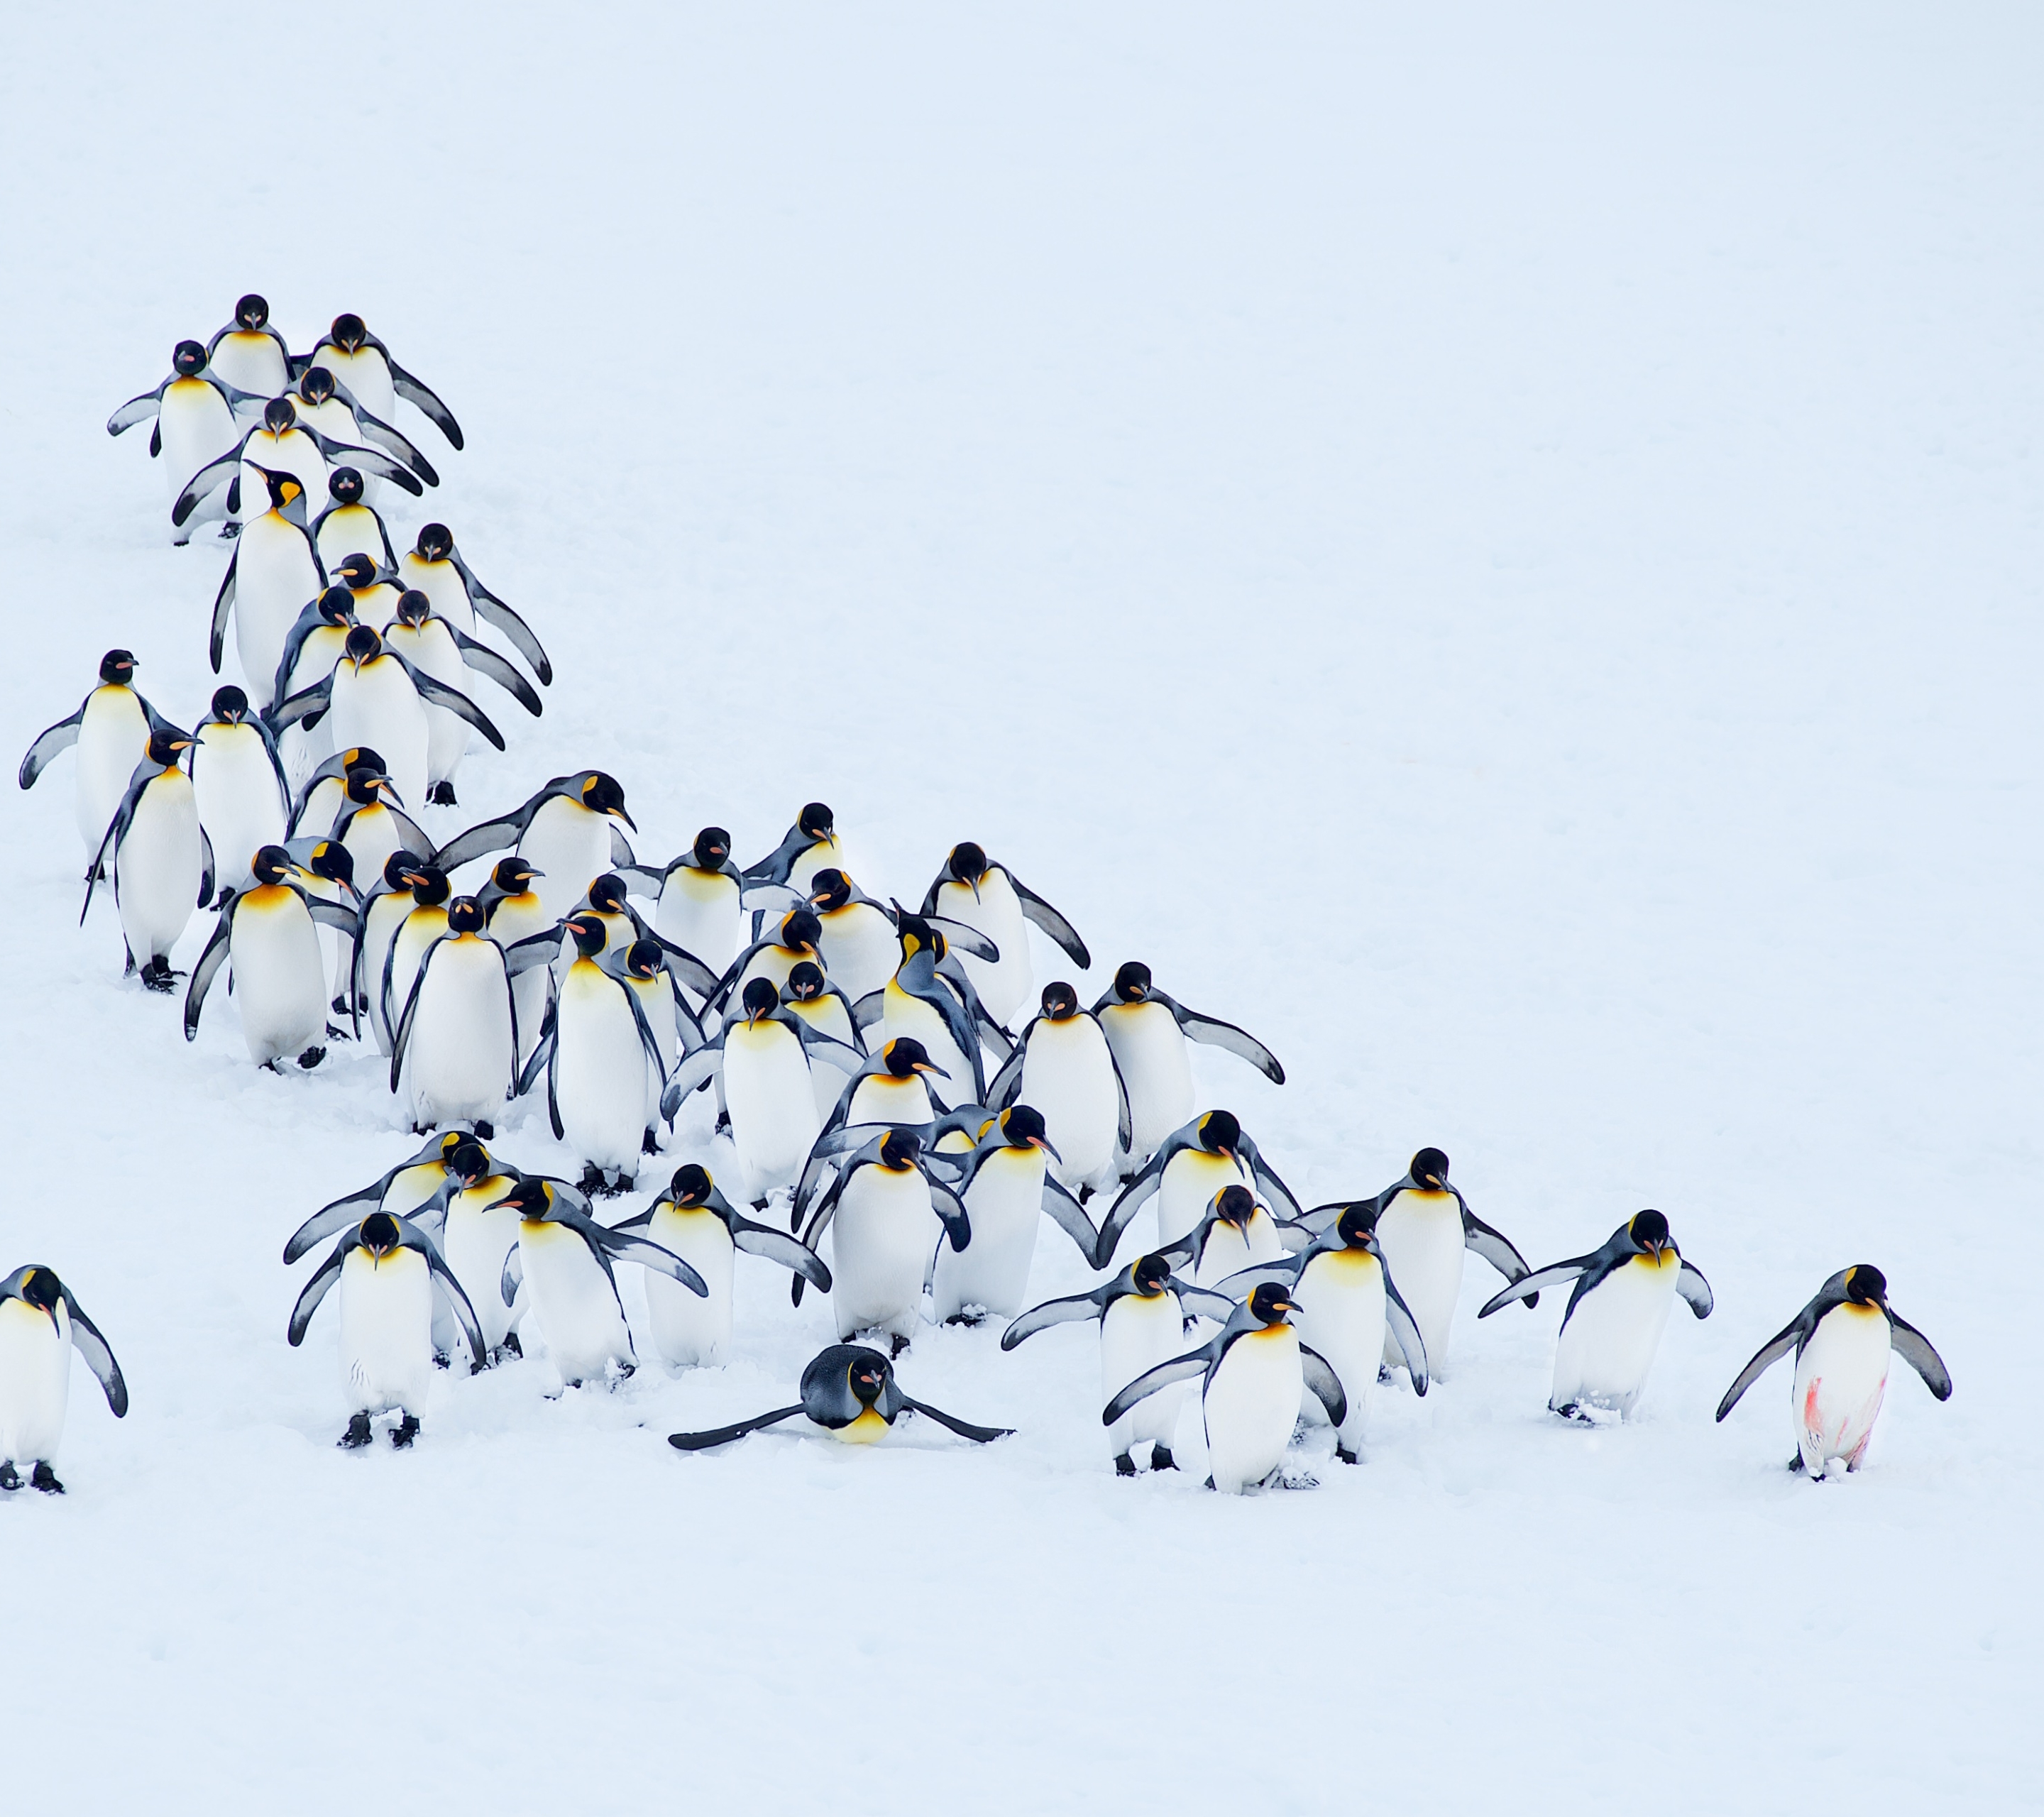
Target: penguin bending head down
[(848, 1393)]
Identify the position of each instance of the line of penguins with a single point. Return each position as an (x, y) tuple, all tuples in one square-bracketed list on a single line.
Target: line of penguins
[(862, 1057)]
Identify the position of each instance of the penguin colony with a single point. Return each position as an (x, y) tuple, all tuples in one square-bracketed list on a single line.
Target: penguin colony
[(864, 1058)]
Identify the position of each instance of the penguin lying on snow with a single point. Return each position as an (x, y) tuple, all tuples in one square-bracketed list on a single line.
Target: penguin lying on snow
[(111, 730), (1842, 1340), (41, 1323), (849, 1393)]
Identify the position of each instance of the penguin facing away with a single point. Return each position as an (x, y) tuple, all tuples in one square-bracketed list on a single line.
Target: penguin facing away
[(849, 1393), (111, 731), (41, 1323)]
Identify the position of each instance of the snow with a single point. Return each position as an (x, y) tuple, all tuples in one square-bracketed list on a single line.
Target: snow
[(1495, 548)]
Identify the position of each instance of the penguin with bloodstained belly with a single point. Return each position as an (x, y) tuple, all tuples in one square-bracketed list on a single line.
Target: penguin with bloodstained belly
[(423, 923), (269, 934), (886, 1206), (512, 910), (363, 363), (434, 565), (990, 899), (1254, 1373), (194, 412), (162, 866), (567, 832), (456, 1056), (248, 353), (856, 934), (1349, 1307), (1234, 1233), (389, 1273), (1142, 1314), (564, 1257), (1189, 1167), (275, 571), (1842, 1340), (1006, 1188), (1612, 1328), (817, 1003), (110, 732), (848, 1393), (41, 1323), (1063, 1066), (238, 781), (1148, 1032), (434, 648), (693, 1220)]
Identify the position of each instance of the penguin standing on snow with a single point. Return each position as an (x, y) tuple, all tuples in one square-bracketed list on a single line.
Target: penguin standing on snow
[(1842, 1340), (930, 999), (1142, 1315), (348, 525), (325, 403), (693, 1220), (363, 363), (162, 865), (194, 412), (991, 900), (434, 565), (384, 910), (1612, 1328), (567, 832), (456, 1056), (238, 781), (435, 648), (1234, 1233), (855, 933), (111, 731), (512, 912), (810, 843), (275, 571), (1254, 1373), (424, 923), (281, 443), (323, 794), (645, 969), (1063, 1065), (248, 353), (848, 1393), (41, 1323), (1189, 1167), (1007, 1187), (699, 898), (477, 1233)]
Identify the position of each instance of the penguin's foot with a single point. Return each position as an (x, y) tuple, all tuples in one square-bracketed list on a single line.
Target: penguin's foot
[(511, 1344), (310, 1059), (896, 1344), (229, 531), (1160, 1458), (723, 1122), (1571, 1411), (43, 1477), (623, 1371), (9, 1480), (1125, 1465), (442, 1360), (592, 1179), (338, 1006), (358, 1433), (971, 1317), (404, 1432), (335, 1032), (1345, 1455), (647, 1145), (1795, 1464), (157, 975), (1208, 1483), (441, 795), (1085, 1193), (484, 1130), (1383, 1372)]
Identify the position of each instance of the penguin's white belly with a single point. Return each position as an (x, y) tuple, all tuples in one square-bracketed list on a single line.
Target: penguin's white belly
[(1251, 1405), (1151, 1049), (279, 979), (1068, 1075), (860, 951), (880, 1240), (658, 1002), (1137, 1333), (386, 1331), (377, 705), (197, 429), (294, 452), (275, 580), (1421, 1236), (441, 582), (417, 931), (155, 884), (1004, 1205), (432, 651), (1229, 1249), (250, 362), (699, 911), (475, 1243), (906, 1017), (772, 1107), (35, 1381), (386, 916), (348, 530), (1003, 984), (575, 1301), (1840, 1379), (458, 1064), (690, 1330), (829, 855), (239, 804), (828, 1017), (600, 1077), (113, 738), (1608, 1344), (1341, 1300), (372, 835), (512, 922), (571, 847), (1192, 1176), (365, 373)]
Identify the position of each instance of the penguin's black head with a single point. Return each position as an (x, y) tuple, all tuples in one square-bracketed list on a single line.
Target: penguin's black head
[(761, 999), (334, 861), (364, 786), (465, 916), (1151, 1272), (1429, 1169), (589, 933), (379, 1234), (816, 821), (363, 644), (252, 312), (805, 982), (1131, 983), (429, 886), (899, 1150), (713, 846), (1023, 1126), (1866, 1286), (42, 1289), (230, 705), (606, 894), (967, 863), (603, 794), (117, 667), (399, 868), (644, 958), (471, 1161), (435, 542), (349, 331), (1269, 1303), (904, 1056), (830, 890), (527, 1198), (278, 415), (270, 864), (1234, 1205), (188, 360), (413, 607), (511, 874), (691, 1186), (866, 1376), (1060, 1002), (357, 570), (1220, 1133), (337, 606), (164, 747), (316, 385), (343, 485), (1357, 1227), (801, 930), (1650, 1231)]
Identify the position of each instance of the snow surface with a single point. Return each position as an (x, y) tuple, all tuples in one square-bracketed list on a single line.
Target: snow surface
[(1496, 547)]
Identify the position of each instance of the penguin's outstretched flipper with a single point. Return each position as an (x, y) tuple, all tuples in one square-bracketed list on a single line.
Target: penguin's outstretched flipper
[(978, 1435), (726, 1435)]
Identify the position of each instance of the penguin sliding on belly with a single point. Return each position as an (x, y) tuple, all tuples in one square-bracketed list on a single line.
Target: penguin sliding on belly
[(1842, 1340), (990, 899), (41, 1323), (1612, 1328), (848, 1393), (1190, 1166), (162, 866), (111, 732)]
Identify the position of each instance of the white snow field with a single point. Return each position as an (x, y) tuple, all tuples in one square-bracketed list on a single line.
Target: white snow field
[(1498, 547)]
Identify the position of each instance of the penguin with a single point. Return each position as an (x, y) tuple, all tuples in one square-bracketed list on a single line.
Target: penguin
[(1190, 1166), (797, 938), (347, 525), (281, 443), (476, 1233), (376, 697), (1063, 1065), (1842, 1340), (274, 569), (434, 648), (268, 932), (41, 1323), (891, 1088), (323, 794), (325, 403), (455, 1055), (161, 863), (418, 1181), (699, 898), (238, 782), (363, 363), (371, 822), (930, 999), (423, 923), (111, 731), (434, 565), (194, 412), (565, 1257), (1612, 1328), (810, 844), (373, 591), (813, 1000), (1253, 1374), (1234, 1233), (691, 1219), (886, 1205), (317, 640), (248, 353), (383, 912), (1142, 1316), (990, 899), (1006, 1187), (855, 935), (642, 968), (609, 901), (849, 1393), (567, 831), (1148, 1031), (1349, 1307), (390, 1272), (512, 909)]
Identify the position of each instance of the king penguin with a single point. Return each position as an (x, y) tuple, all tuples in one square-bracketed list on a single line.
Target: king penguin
[(1063, 1065), (248, 353), (1189, 1167), (194, 412), (41, 1323), (456, 1056), (363, 363), (238, 782), (1007, 1185), (435, 566), (991, 900), (162, 866), (567, 832), (347, 525), (110, 732), (848, 1393)]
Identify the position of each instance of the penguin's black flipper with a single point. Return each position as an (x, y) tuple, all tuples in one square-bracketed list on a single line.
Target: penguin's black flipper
[(1496, 1249), (978, 1435), (136, 410), (1282, 1199), (226, 470), (1134, 1196), (692, 1071), (1914, 1349), (1695, 1289), (643, 1251), (202, 975), (1035, 909), (392, 441), (1558, 1274), (725, 1434), (485, 661), (1405, 1328), (869, 1009), (316, 1291), (450, 1289), (1067, 1311), (1009, 1077), (421, 398), (1211, 1031), (1070, 1216), (439, 694), (1789, 1338), (777, 1246), (368, 460), (958, 936), (1281, 1271), (492, 610), (1321, 1378), (509, 1282), (86, 1338), (950, 1211), (1178, 1368), (61, 737), (309, 705), (499, 834)]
